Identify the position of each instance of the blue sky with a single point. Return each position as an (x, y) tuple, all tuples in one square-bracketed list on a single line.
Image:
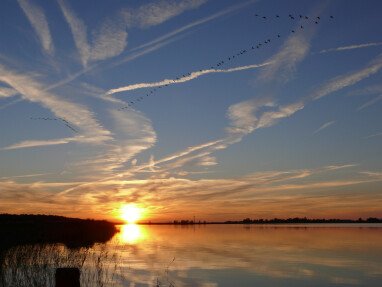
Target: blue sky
[(293, 123)]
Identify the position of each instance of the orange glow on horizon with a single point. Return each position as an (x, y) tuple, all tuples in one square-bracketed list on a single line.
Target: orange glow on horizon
[(131, 213)]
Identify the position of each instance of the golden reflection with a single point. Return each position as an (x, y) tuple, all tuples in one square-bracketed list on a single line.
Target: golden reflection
[(132, 233)]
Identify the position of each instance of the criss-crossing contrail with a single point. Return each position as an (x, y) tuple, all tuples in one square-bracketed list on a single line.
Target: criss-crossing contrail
[(187, 78), (214, 68), (351, 47)]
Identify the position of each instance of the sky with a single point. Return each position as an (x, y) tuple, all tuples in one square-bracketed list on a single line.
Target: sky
[(220, 110)]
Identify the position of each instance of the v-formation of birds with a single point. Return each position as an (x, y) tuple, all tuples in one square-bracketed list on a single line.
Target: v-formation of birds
[(259, 45), (62, 120), (316, 20)]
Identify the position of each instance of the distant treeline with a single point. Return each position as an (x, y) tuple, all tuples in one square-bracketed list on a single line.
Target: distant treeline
[(306, 220), (34, 229), (275, 221)]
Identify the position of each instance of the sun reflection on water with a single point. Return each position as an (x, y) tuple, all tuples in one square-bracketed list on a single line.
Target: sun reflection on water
[(132, 233)]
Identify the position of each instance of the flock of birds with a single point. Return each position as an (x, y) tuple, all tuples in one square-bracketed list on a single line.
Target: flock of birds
[(63, 121), (316, 20)]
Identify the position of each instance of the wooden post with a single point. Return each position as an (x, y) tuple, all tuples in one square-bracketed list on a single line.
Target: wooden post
[(67, 277)]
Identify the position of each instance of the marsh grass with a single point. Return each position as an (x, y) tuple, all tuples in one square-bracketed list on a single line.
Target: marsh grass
[(35, 265)]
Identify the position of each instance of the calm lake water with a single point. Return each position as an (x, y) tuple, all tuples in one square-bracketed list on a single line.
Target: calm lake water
[(230, 255)]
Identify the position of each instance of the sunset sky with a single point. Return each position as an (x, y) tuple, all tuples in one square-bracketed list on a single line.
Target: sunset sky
[(292, 128)]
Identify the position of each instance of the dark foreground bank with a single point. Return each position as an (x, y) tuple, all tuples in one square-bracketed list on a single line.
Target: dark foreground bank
[(42, 229)]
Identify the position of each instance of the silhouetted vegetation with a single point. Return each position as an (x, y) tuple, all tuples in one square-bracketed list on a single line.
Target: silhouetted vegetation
[(73, 232), (30, 248)]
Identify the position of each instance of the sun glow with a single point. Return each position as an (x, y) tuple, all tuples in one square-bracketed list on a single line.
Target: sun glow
[(131, 213)]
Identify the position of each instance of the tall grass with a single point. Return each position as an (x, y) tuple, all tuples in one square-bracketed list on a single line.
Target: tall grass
[(35, 265)]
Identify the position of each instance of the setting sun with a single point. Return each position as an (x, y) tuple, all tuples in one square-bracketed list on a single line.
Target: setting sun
[(130, 213)]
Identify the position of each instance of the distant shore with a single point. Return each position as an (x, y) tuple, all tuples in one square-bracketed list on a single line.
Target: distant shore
[(295, 220)]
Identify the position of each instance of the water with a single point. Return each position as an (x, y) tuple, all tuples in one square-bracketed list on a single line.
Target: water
[(232, 255)]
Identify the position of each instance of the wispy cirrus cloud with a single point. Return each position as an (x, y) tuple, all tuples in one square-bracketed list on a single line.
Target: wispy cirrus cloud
[(351, 47), (159, 11), (108, 41), (38, 143), (195, 24), (176, 34), (133, 133), (368, 90), (79, 31), (39, 23), (292, 52), (78, 115), (184, 79), (374, 135), (324, 126), (349, 79), (370, 103), (6, 92), (266, 190), (245, 117), (243, 121)]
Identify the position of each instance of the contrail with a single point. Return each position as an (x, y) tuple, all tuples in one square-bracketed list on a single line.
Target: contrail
[(351, 47), (324, 126), (188, 77)]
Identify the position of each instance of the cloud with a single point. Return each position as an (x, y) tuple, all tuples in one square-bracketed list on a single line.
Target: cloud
[(343, 81), (143, 49), (10, 103), (108, 41), (133, 133), (79, 32), (269, 191), (25, 175), (292, 52), (339, 166), (77, 115), (38, 143), (374, 135), (6, 92), (39, 23), (370, 103), (172, 36), (324, 126), (369, 90), (159, 11), (245, 117), (351, 47), (195, 24), (243, 121), (143, 52), (187, 78)]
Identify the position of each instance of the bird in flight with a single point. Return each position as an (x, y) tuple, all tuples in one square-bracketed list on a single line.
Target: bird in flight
[(64, 121)]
